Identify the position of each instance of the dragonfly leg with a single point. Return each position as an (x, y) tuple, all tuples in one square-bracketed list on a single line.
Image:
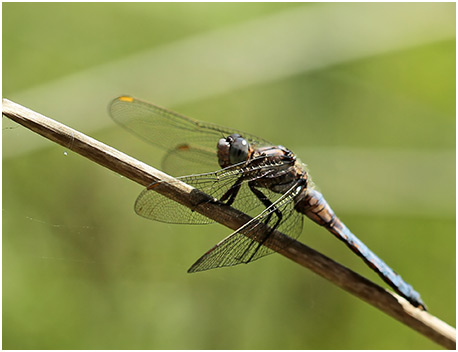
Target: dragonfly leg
[(232, 192), (277, 212), (229, 197)]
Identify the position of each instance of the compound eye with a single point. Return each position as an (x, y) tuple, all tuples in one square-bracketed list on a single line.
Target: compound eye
[(238, 151)]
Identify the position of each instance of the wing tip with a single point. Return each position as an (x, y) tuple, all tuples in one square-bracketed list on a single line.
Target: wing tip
[(126, 98)]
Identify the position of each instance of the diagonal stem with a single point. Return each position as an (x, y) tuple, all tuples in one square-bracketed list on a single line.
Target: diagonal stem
[(387, 301)]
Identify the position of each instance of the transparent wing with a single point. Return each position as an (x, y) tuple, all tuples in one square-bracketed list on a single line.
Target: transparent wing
[(184, 138), (152, 205), (187, 160), (237, 248)]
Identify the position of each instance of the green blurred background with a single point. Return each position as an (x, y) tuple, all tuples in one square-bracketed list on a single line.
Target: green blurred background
[(363, 93)]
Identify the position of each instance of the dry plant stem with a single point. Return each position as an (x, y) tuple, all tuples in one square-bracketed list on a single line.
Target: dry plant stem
[(390, 303)]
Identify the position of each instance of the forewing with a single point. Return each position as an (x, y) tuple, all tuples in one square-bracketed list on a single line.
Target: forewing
[(152, 205), (184, 138), (186, 160), (238, 248)]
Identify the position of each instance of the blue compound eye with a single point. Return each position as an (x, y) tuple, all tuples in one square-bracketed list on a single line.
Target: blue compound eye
[(238, 151)]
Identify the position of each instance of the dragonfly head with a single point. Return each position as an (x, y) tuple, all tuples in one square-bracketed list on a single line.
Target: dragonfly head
[(233, 150)]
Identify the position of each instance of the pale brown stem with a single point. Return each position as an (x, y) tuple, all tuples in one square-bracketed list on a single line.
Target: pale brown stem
[(387, 301)]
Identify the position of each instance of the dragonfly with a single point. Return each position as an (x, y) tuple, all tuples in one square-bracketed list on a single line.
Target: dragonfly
[(259, 178)]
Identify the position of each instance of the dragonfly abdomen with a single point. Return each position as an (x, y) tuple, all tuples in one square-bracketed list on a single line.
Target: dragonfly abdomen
[(313, 204)]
